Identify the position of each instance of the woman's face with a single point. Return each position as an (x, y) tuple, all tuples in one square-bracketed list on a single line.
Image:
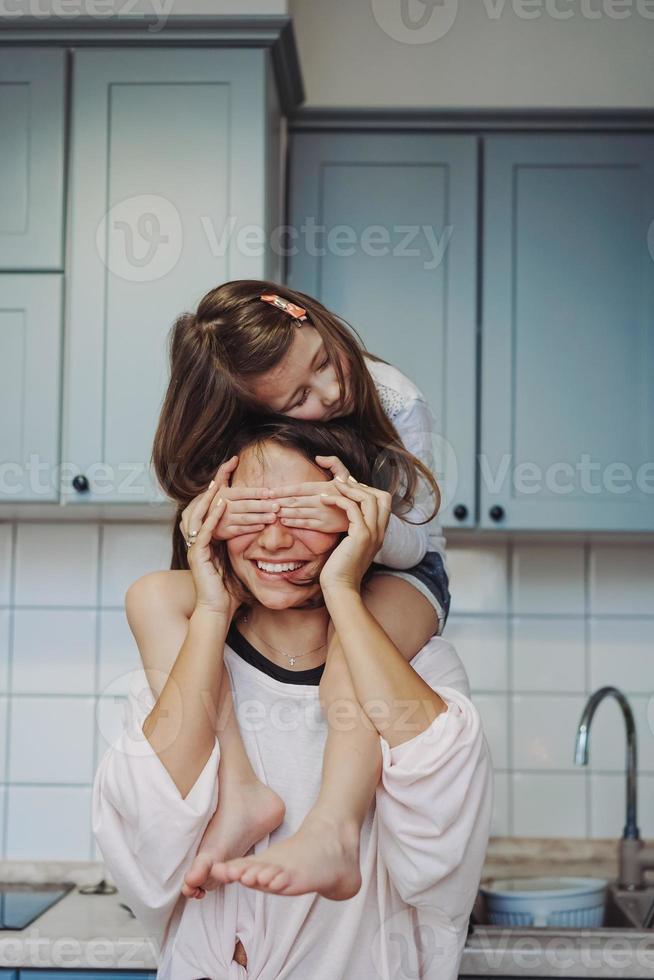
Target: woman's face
[(304, 384), (270, 562)]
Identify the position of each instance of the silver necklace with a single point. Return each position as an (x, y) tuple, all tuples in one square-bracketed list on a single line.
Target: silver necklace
[(291, 658)]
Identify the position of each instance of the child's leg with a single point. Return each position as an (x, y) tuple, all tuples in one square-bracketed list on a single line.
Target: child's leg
[(323, 855), (247, 809)]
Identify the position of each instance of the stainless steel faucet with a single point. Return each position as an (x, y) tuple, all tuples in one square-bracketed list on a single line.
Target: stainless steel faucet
[(635, 858)]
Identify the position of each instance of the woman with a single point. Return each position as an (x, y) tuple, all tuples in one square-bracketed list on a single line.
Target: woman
[(417, 861)]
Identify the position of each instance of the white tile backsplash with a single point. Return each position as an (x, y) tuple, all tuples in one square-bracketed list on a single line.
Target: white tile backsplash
[(548, 654), (494, 711), (57, 564), (621, 580), (54, 651), (129, 551), (51, 740), (478, 579), (549, 805), (608, 805), (481, 642), (119, 654), (548, 579), (5, 626), (49, 823), (538, 626), (5, 563), (622, 654), (4, 736), (544, 729)]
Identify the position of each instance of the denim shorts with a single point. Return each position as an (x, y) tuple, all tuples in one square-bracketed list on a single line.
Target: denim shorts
[(430, 578)]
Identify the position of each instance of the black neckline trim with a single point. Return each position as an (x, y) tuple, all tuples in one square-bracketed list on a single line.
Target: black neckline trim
[(251, 655)]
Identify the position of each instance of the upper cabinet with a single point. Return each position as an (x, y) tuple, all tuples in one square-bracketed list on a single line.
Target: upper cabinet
[(384, 234), (32, 88), (174, 160), (30, 385), (567, 378)]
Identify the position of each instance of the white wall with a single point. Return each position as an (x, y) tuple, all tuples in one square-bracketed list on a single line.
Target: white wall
[(357, 53)]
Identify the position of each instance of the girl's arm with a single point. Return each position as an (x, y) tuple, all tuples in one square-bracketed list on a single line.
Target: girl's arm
[(405, 544)]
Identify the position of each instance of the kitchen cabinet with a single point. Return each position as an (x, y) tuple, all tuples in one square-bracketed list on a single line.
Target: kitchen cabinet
[(30, 362), (564, 383), (32, 99), (384, 234), (171, 194), (567, 372), (8, 975)]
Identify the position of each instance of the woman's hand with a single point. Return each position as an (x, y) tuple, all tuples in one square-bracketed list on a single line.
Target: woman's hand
[(367, 511), (303, 504), (247, 509), (210, 589)]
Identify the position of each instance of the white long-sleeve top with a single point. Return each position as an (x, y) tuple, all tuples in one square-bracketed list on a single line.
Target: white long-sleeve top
[(405, 544), (422, 843)]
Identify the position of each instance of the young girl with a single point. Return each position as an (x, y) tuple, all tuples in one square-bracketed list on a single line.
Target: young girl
[(256, 346)]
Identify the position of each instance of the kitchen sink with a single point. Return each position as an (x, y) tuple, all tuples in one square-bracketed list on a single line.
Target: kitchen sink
[(23, 902), (624, 909)]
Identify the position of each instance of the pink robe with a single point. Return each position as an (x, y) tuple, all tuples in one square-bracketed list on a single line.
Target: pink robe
[(422, 844)]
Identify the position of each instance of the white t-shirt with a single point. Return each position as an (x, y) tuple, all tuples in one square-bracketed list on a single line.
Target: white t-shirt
[(405, 405), (422, 844)]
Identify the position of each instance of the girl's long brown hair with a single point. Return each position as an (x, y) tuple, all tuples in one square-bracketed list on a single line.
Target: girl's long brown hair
[(214, 355)]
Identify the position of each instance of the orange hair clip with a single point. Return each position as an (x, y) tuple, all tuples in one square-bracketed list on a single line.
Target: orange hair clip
[(295, 311)]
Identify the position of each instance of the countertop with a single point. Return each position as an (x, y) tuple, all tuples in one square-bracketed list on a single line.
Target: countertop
[(94, 932)]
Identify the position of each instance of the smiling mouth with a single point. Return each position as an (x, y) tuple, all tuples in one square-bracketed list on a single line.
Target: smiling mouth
[(280, 569)]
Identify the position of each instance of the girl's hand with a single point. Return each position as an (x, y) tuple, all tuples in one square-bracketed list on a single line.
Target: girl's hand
[(302, 504), (367, 511), (247, 509)]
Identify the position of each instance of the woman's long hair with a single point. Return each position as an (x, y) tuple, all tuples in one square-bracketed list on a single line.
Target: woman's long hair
[(309, 439), (215, 353)]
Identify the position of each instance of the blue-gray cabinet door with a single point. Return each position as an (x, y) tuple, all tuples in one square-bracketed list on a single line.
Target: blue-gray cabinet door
[(567, 412), (8, 975), (32, 83), (383, 232), (30, 368), (168, 174)]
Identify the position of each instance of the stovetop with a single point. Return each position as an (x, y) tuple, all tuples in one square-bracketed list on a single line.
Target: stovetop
[(21, 904)]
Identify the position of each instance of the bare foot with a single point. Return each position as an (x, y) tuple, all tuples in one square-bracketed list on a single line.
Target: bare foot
[(246, 812), (322, 856)]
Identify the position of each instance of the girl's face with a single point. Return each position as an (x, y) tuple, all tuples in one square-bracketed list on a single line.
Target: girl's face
[(304, 384), (271, 563)]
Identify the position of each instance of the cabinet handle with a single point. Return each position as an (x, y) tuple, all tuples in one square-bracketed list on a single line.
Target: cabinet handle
[(80, 483), (460, 512), (496, 513)]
